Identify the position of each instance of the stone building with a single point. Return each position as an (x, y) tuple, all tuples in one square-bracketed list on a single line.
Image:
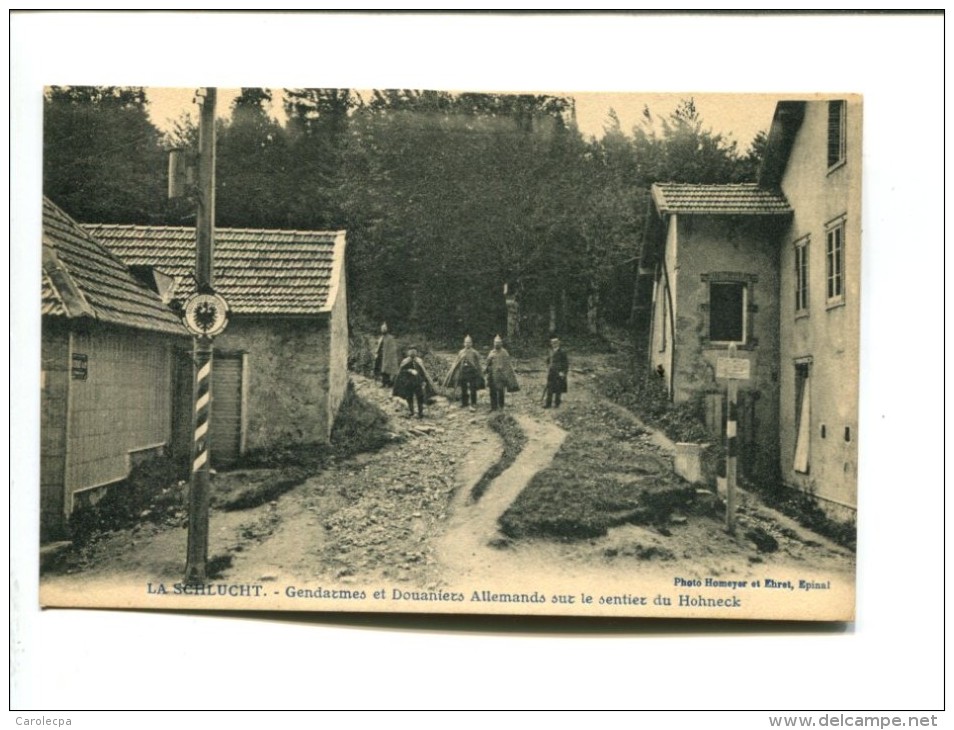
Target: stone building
[(280, 366), (715, 264), (772, 268)]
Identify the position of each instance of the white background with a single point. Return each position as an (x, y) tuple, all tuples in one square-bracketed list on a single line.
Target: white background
[(890, 660)]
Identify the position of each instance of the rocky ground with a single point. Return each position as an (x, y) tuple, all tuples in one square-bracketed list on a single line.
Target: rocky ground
[(403, 515)]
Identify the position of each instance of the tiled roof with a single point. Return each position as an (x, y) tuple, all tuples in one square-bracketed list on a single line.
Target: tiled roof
[(739, 199), (52, 301), (81, 278), (256, 271)]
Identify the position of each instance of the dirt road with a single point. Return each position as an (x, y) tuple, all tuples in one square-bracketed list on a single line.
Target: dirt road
[(403, 515)]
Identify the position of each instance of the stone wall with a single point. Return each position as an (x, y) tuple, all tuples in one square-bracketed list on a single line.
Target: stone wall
[(288, 377), (338, 376), (730, 249)]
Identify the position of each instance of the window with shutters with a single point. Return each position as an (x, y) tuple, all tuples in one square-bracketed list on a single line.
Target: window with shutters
[(836, 133), (728, 310), (835, 262)]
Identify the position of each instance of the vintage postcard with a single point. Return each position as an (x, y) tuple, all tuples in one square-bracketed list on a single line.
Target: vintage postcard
[(423, 351)]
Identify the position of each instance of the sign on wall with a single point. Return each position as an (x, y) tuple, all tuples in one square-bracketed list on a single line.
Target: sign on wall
[(736, 368), (80, 366)]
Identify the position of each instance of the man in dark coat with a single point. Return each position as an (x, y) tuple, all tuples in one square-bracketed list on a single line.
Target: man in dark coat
[(466, 373), (386, 357), (413, 383), (557, 368)]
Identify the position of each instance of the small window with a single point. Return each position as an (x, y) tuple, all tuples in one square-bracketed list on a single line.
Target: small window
[(727, 311), (836, 133), (801, 276), (835, 262)]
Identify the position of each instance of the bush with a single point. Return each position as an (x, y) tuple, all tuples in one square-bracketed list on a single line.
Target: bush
[(645, 394), (361, 354)]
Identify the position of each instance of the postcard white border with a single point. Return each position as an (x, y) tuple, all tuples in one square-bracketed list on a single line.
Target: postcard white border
[(100, 659)]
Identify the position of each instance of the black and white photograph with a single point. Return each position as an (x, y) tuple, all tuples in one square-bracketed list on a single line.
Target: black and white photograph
[(406, 350), (477, 359)]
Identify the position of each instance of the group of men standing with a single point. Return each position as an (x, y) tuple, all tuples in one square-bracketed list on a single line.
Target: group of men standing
[(408, 378), (411, 381), (497, 375)]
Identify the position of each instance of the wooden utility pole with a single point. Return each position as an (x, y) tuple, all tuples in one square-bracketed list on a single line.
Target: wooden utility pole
[(197, 551)]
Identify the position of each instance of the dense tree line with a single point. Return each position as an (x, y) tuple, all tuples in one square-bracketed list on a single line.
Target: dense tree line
[(449, 200)]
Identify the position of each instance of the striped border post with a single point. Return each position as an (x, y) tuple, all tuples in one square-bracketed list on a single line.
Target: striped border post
[(732, 452), (198, 543)]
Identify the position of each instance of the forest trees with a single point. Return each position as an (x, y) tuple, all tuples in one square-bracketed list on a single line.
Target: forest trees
[(447, 198), (102, 157)]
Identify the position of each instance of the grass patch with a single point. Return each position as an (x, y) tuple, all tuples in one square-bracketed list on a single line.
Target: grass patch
[(514, 440), (645, 394), (803, 507), (599, 479)]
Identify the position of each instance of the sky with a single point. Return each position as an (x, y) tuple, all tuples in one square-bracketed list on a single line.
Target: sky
[(735, 116)]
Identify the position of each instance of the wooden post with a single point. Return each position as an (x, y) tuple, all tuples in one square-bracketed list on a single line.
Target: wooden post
[(197, 546), (205, 213), (197, 549)]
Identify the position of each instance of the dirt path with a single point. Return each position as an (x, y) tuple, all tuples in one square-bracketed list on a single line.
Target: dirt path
[(402, 516), (466, 550)]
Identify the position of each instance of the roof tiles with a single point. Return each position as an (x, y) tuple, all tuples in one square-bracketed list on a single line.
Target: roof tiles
[(82, 278), (738, 199), (274, 272)]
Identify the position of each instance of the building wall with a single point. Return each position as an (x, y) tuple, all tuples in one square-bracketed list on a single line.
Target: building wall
[(287, 370), (730, 248), (121, 410), (338, 361), (54, 385), (826, 337)]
